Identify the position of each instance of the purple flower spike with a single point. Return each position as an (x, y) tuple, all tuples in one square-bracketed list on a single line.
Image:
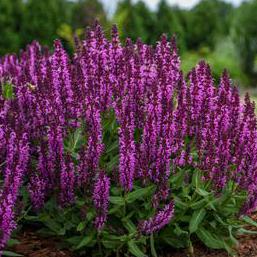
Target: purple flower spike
[(101, 199), (156, 223)]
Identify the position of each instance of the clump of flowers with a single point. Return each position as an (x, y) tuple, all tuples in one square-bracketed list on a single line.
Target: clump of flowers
[(116, 127)]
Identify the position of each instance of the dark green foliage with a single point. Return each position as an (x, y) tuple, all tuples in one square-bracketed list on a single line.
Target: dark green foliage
[(203, 215), (85, 12), (206, 23), (244, 32), (199, 215), (11, 14), (130, 22), (42, 19), (147, 20), (169, 22)]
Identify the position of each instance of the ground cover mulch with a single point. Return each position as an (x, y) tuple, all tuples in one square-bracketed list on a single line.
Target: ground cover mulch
[(33, 245)]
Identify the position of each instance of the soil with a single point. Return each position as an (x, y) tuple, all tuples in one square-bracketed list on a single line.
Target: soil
[(32, 245)]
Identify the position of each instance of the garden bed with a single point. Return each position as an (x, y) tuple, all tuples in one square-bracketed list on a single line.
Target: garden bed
[(33, 245)]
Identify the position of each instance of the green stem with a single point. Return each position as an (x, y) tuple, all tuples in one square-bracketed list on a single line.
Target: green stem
[(153, 251), (125, 203), (118, 250), (99, 243), (191, 249)]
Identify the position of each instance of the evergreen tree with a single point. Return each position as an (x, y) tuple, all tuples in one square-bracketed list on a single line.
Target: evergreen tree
[(85, 12), (42, 19), (128, 21), (207, 22), (168, 21), (10, 25), (147, 21), (244, 34)]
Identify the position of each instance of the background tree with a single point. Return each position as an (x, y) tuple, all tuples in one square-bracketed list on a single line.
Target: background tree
[(130, 24), (42, 19), (168, 21), (85, 12), (206, 22), (147, 21), (11, 16), (244, 34)]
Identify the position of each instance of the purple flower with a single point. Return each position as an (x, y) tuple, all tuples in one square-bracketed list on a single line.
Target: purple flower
[(101, 199), (157, 222), (18, 157), (67, 183)]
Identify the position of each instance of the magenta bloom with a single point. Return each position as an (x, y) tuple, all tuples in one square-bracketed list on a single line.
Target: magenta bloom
[(101, 199), (156, 223)]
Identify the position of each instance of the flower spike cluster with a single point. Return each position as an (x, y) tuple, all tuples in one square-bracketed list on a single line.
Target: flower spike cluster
[(51, 126)]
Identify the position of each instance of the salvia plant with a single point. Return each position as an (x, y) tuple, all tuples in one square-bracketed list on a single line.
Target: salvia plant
[(116, 152)]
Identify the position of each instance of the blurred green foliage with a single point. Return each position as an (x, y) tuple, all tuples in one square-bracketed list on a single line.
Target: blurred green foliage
[(244, 32), (85, 12), (215, 30), (41, 20), (10, 28)]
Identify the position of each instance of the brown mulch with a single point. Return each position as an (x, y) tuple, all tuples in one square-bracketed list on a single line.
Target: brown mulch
[(246, 248), (32, 245)]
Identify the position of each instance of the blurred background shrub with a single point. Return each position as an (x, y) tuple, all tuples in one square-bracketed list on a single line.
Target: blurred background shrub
[(219, 31)]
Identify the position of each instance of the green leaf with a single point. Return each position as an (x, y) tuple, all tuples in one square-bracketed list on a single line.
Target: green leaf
[(249, 220), (86, 240), (196, 220), (80, 203), (75, 240), (196, 180), (116, 210), (176, 242), (129, 225), (139, 193), (210, 239), (111, 244), (153, 251), (178, 179), (117, 200), (114, 162), (32, 218), (243, 231), (113, 146), (55, 227), (12, 242), (232, 238), (7, 91), (12, 254), (229, 249), (220, 220), (180, 232), (90, 216), (81, 226), (179, 203), (74, 141), (134, 249), (199, 204), (202, 192)]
